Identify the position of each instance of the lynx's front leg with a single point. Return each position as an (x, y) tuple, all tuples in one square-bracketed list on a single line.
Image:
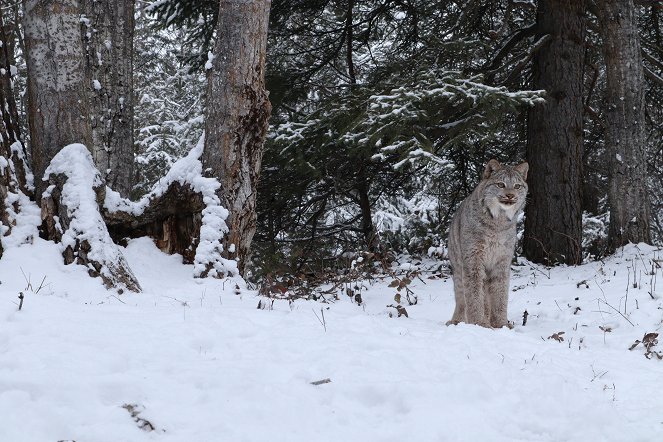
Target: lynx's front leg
[(497, 293), (473, 283), (459, 293)]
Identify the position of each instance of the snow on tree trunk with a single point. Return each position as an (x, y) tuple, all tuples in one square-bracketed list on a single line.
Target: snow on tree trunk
[(71, 212), (625, 128), (108, 29), (553, 222), (237, 115), (15, 177), (182, 213), (57, 100)]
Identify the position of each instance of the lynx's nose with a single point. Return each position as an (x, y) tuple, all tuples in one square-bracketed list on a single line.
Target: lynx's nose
[(510, 196)]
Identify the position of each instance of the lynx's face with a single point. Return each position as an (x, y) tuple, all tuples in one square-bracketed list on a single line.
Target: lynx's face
[(504, 188)]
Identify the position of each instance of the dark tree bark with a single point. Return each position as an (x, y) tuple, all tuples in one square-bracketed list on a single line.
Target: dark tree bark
[(238, 111), (57, 99), (625, 124), (108, 30), (553, 223), (12, 167)]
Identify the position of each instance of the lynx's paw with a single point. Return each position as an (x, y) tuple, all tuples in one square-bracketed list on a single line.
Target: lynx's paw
[(507, 324)]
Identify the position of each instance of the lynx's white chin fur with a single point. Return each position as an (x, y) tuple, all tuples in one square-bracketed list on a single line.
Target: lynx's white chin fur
[(495, 207)]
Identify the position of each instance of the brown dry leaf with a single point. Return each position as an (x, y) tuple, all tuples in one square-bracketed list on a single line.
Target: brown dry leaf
[(401, 311), (557, 336)]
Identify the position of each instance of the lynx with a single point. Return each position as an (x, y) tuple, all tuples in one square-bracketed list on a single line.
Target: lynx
[(482, 239)]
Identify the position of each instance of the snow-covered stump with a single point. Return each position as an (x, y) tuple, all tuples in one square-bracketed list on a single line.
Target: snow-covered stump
[(182, 214), (70, 208)]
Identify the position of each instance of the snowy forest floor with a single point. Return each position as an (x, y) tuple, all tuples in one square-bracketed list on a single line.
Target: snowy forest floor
[(197, 362)]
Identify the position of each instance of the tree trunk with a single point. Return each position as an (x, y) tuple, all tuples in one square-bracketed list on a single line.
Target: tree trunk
[(57, 100), (625, 128), (73, 192), (238, 111), (13, 173), (553, 223), (108, 29)]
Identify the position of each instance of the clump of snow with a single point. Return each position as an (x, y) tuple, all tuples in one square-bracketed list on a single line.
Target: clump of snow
[(188, 172), (78, 196), (210, 59), (24, 215), (96, 85)]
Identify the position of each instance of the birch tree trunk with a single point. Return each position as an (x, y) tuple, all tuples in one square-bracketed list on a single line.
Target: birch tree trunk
[(553, 223), (625, 128), (108, 30), (238, 111), (57, 99)]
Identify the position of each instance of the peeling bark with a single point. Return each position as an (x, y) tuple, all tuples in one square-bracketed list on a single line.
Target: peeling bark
[(238, 111)]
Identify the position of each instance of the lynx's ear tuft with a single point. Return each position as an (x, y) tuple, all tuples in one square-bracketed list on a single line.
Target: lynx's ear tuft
[(522, 169), (492, 166)]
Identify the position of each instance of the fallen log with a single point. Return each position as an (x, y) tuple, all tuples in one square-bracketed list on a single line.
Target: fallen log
[(182, 214)]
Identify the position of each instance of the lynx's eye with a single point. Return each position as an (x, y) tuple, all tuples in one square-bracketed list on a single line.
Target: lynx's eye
[(517, 186), (500, 185)]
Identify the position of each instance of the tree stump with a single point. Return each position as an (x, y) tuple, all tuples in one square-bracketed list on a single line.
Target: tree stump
[(71, 216)]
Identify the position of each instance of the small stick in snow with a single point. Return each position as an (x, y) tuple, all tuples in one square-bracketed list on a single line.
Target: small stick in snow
[(113, 296), (20, 303), (525, 315), (620, 313), (322, 321), (321, 381), (560, 308)]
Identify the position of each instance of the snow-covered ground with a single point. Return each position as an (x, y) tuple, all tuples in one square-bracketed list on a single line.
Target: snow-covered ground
[(200, 362)]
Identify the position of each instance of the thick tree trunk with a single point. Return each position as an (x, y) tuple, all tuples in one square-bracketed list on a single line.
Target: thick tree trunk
[(108, 29), (72, 194), (625, 128), (57, 100), (553, 223), (238, 111)]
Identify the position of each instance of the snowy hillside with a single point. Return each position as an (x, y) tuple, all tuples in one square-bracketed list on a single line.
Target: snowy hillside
[(194, 360)]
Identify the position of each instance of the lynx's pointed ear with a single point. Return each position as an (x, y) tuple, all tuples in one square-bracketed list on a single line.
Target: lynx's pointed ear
[(522, 169), (492, 166)]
